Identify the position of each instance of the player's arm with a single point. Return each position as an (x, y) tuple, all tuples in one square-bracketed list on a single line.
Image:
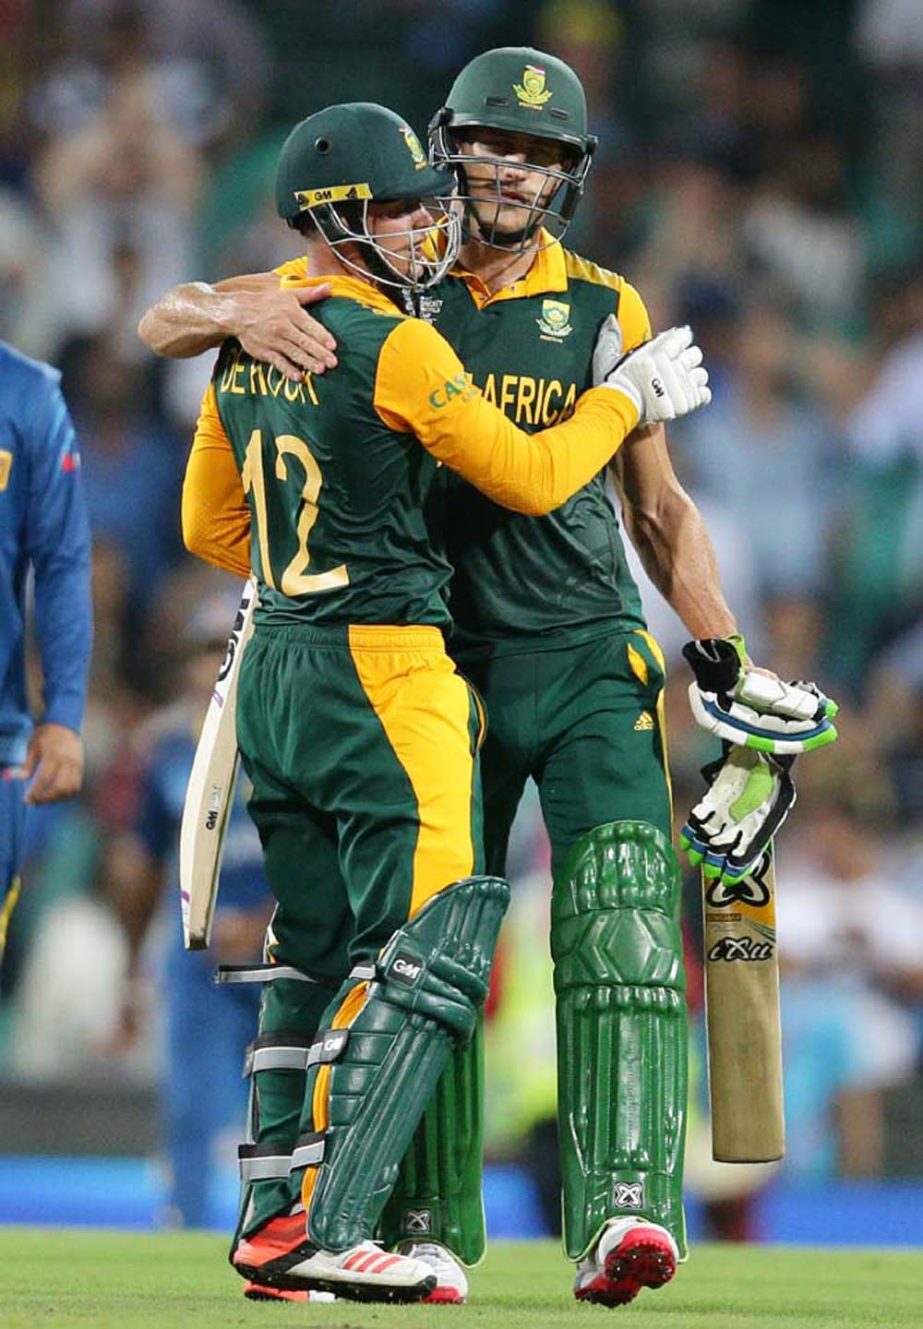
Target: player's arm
[(422, 386), (216, 516), (667, 530), (58, 547), (269, 321)]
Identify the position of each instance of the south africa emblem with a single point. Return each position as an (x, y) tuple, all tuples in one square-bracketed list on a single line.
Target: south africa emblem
[(555, 320)]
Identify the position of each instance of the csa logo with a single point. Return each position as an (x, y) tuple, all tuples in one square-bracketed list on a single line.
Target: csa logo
[(414, 148), (531, 91), (555, 320)]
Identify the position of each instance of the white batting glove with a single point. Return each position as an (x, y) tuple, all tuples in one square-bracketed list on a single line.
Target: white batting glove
[(749, 796), (664, 377), (753, 708)]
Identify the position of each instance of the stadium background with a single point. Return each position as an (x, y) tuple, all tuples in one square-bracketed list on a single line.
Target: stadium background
[(758, 175)]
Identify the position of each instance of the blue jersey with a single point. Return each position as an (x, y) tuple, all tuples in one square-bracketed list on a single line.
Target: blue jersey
[(43, 525), (243, 884)]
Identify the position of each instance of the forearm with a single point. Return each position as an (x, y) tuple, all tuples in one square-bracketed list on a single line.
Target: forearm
[(533, 473), (678, 556), (188, 320)]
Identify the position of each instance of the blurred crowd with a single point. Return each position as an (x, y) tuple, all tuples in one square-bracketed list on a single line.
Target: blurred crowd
[(759, 177)]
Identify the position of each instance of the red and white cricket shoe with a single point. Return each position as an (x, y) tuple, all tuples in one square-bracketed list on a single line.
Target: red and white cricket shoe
[(451, 1282), (279, 1255), (631, 1254), (262, 1292)]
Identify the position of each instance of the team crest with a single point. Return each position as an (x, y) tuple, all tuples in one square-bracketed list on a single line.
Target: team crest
[(555, 320), (6, 465), (413, 145), (531, 91)]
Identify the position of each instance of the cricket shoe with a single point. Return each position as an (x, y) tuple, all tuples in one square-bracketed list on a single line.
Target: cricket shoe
[(262, 1292), (278, 1255), (451, 1283), (631, 1255)]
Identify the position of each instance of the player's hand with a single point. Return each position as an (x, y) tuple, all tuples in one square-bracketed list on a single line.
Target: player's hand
[(664, 377), (754, 707), (273, 326), (749, 796), (55, 758)]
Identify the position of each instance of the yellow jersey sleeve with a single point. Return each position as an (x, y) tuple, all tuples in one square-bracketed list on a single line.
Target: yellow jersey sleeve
[(216, 516), (633, 317), (422, 387)]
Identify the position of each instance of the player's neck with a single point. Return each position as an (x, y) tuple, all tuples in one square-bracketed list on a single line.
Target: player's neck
[(323, 262), (496, 268)]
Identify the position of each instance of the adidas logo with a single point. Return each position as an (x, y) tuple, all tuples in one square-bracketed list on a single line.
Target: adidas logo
[(644, 722)]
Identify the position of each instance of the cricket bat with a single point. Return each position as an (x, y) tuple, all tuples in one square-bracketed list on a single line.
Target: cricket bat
[(210, 791), (743, 1018)]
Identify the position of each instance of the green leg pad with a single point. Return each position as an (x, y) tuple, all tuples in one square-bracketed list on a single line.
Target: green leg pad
[(437, 1196), (277, 1097), (430, 983), (622, 1032)]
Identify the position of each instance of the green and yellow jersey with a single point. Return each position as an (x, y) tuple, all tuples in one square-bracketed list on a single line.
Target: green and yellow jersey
[(320, 486), (524, 582), (528, 582)]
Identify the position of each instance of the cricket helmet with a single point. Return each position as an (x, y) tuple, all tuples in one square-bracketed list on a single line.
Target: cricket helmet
[(516, 89), (345, 157)]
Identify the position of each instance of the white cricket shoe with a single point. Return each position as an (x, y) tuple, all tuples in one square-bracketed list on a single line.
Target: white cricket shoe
[(631, 1254), (279, 1255), (451, 1281)]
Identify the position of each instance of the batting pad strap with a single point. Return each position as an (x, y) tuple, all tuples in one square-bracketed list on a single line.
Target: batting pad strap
[(262, 1162), (267, 973), (328, 1047), (277, 1052), (308, 1152)]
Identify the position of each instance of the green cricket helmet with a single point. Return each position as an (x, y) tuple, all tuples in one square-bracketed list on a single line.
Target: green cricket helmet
[(516, 89), (337, 162)]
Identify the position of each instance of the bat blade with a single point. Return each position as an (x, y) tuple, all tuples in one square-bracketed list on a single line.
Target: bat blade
[(743, 1018), (210, 791)]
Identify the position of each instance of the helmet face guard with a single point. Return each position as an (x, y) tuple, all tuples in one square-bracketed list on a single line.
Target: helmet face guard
[(515, 90), (432, 249), (552, 206), (335, 165)]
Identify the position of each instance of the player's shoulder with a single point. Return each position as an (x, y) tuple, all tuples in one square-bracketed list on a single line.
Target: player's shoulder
[(21, 372), (615, 292), (583, 271)]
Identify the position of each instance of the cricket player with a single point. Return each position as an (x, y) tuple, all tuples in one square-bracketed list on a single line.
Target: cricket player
[(358, 734), (548, 625), (43, 531)]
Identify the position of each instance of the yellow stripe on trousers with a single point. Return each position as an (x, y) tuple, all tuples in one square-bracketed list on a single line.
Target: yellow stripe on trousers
[(424, 709), (653, 645), (320, 1101)]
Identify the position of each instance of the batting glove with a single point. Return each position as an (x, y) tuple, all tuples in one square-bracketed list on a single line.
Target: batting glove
[(748, 798), (739, 704), (664, 378)]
